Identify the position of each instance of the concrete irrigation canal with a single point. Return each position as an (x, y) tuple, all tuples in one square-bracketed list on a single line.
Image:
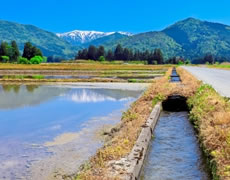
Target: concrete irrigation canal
[(167, 147), (174, 152)]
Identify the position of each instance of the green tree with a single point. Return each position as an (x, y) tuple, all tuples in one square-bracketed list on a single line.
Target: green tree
[(158, 56), (31, 51), (92, 52), (131, 56), (146, 56), (137, 55), (85, 54), (14, 51), (109, 55), (126, 54), (4, 50), (100, 51), (28, 51), (118, 53), (36, 52)]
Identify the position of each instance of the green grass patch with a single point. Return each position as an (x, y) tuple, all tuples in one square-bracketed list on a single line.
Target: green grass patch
[(21, 77)]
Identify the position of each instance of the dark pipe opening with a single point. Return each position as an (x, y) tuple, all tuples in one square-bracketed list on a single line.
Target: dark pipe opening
[(175, 103)]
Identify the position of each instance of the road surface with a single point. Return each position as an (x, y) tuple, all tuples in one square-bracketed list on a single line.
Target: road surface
[(217, 78)]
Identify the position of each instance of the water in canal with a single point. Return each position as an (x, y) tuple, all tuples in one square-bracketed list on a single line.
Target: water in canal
[(174, 153), (49, 130)]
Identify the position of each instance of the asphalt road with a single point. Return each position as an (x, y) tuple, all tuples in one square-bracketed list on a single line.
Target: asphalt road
[(217, 78)]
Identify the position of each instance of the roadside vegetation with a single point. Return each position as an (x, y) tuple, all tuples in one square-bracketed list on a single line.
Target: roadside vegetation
[(210, 114)]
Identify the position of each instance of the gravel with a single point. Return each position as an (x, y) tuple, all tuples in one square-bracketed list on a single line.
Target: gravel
[(217, 78)]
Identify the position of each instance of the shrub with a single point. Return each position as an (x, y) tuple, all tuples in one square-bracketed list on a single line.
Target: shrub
[(101, 58), (23, 60), (180, 62), (36, 60)]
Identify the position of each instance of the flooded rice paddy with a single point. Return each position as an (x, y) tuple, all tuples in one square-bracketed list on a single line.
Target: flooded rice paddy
[(48, 131)]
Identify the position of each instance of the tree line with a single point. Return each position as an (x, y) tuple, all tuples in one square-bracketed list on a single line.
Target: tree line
[(9, 53), (120, 53), (211, 59)]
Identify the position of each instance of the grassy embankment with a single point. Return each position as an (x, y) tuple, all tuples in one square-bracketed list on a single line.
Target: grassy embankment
[(126, 133), (210, 114)]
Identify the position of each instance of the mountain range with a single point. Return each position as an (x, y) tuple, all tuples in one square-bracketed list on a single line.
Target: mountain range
[(190, 38), (48, 42)]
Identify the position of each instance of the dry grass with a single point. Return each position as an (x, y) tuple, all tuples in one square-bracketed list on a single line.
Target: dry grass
[(189, 83), (210, 114), (74, 66), (75, 80), (128, 131), (26, 80)]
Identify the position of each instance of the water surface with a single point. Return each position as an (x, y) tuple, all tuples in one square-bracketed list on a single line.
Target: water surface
[(48, 131), (174, 153)]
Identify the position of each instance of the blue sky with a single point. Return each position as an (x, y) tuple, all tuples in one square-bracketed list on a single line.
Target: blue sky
[(112, 15)]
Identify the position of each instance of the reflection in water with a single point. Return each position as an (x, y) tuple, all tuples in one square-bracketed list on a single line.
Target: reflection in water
[(31, 88), (32, 116), (16, 87), (174, 153), (30, 95), (98, 95), (8, 88), (16, 96)]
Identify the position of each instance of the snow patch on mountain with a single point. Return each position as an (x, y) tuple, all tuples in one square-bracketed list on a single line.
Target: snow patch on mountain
[(77, 37)]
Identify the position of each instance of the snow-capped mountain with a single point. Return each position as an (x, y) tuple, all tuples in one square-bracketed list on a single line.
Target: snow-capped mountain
[(81, 37)]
